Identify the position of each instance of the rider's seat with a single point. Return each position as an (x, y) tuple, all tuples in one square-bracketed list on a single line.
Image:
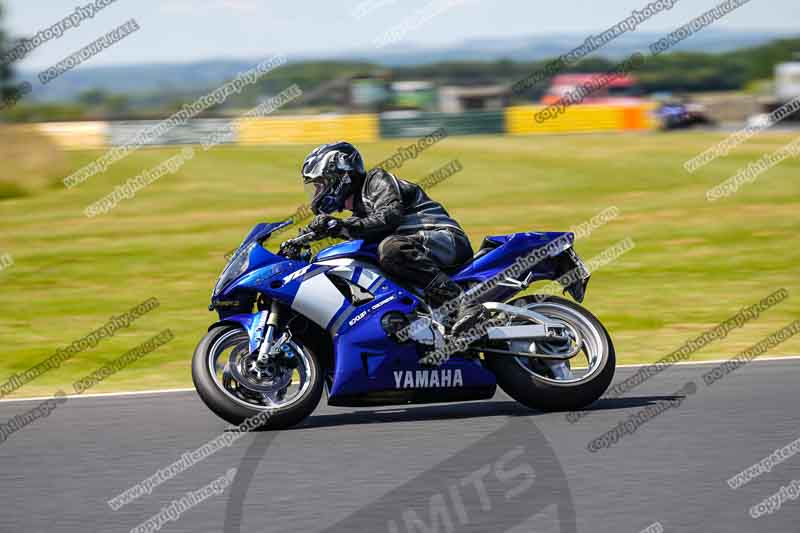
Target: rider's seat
[(486, 246)]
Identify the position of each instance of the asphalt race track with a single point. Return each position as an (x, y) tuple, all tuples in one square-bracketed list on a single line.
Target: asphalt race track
[(486, 466)]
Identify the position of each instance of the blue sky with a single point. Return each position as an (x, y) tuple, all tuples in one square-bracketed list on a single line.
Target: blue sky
[(180, 30)]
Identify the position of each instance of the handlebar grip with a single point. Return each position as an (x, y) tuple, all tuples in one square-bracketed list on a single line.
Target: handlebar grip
[(302, 239)]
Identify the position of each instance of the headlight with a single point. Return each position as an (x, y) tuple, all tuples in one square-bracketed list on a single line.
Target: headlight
[(237, 266)]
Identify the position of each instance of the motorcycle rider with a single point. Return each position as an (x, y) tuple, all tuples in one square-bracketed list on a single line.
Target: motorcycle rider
[(417, 237)]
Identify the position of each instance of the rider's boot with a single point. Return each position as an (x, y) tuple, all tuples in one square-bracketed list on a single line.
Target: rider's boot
[(470, 315), (445, 295), (442, 296)]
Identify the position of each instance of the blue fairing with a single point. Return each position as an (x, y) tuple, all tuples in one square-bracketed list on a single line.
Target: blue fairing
[(485, 267), (257, 264), (267, 267), (249, 322), (355, 249), (366, 360), (264, 230), (511, 247)]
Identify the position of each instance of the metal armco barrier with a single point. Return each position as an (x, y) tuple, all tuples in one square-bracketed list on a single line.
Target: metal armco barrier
[(414, 124), (192, 132)]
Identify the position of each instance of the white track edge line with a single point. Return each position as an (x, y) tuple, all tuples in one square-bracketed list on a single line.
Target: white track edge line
[(100, 395), (172, 391), (719, 361)]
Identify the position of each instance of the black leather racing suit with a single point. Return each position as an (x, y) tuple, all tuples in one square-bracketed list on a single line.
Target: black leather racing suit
[(418, 238)]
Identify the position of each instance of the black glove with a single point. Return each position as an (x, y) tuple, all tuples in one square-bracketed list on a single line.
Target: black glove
[(291, 250), (327, 226)]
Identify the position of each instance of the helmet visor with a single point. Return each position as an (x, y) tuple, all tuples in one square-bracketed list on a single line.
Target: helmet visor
[(314, 190)]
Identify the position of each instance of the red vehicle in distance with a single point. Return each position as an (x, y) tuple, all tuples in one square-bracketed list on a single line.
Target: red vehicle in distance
[(623, 89)]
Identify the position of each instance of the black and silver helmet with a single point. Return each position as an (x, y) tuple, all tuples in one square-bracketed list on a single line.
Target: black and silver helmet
[(329, 172)]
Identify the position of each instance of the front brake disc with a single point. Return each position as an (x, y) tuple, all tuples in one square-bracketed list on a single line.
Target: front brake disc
[(250, 377)]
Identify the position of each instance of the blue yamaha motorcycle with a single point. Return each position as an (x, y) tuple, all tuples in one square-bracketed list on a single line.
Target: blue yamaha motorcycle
[(291, 325)]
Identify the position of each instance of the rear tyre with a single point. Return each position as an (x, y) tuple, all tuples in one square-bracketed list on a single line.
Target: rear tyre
[(532, 383), (235, 402)]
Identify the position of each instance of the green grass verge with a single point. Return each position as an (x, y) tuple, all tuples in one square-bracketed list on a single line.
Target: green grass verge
[(695, 263)]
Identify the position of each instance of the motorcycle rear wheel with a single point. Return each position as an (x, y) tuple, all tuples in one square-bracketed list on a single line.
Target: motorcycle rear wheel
[(528, 380)]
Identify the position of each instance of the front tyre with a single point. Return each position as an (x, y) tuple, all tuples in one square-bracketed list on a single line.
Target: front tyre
[(229, 383), (553, 385)]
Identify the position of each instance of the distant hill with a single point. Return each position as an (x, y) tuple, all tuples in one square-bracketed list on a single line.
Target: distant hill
[(181, 79), (548, 46), (164, 79)]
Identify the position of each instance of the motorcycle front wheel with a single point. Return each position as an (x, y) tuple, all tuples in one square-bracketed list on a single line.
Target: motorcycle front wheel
[(232, 384)]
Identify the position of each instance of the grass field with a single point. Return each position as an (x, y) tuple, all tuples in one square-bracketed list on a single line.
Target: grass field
[(694, 263)]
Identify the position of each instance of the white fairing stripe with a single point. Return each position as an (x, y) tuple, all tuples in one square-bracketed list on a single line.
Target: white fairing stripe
[(366, 278), (345, 272), (368, 274), (318, 299)]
